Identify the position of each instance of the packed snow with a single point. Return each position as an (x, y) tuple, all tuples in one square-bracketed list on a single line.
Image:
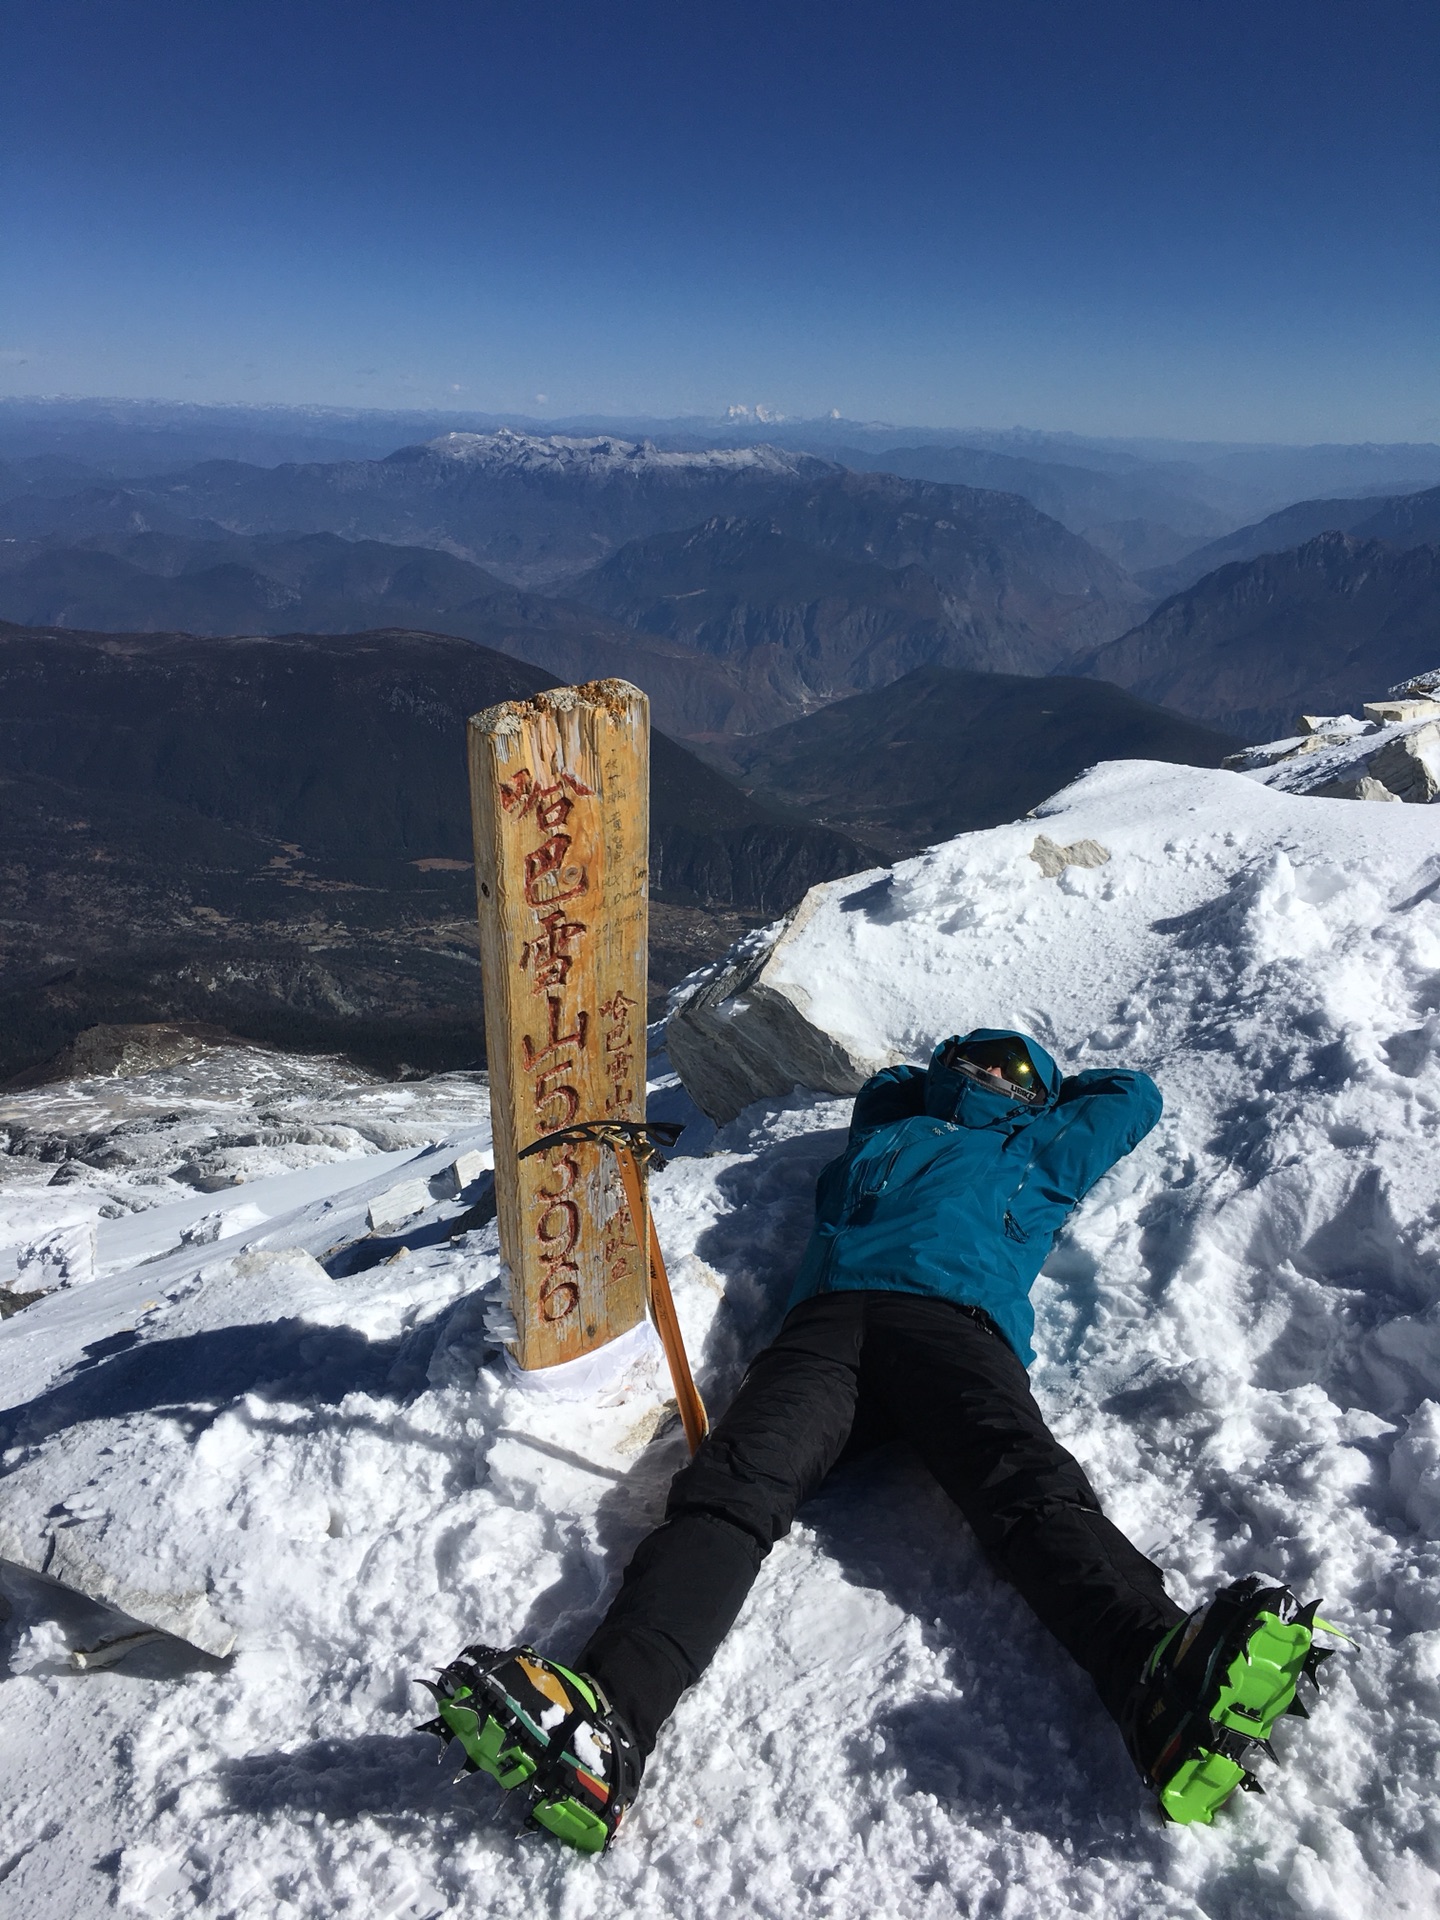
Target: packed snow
[(306, 1423)]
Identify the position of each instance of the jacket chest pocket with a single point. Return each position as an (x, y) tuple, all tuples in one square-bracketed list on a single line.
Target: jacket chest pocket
[(866, 1186)]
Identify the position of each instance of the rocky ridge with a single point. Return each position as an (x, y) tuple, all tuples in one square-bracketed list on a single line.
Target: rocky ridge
[(1316, 627), (1391, 752)]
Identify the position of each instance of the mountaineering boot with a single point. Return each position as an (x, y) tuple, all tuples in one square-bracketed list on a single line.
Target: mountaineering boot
[(1212, 1690), (530, 1723)]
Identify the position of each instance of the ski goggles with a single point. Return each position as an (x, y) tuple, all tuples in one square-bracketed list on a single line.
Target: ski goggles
[(980, 1059)]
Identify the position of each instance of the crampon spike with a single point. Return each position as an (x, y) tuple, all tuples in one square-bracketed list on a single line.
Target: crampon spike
[(438, 1727), (1328, 1626), (481, 1655), (1298, 1707), (1249, 1784)]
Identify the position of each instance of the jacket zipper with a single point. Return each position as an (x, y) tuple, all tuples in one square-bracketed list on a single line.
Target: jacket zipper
[(887, 1167), (1013, 1229)]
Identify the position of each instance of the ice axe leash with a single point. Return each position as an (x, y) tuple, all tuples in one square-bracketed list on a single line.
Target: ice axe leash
[(636, 1147)]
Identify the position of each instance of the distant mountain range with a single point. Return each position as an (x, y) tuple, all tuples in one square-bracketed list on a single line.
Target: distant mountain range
[(736, 625), (1139, 518), (1241, 481), (800, 623), (1405, 520), (940, 752), (1319, 627), (116, 439), (832, 580), (89, 513), (538, 512), (232, 761), (746, 585)]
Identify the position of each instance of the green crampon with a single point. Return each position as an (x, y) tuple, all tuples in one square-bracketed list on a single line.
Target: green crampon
[(1258, 1687), (512, 1766), (520, 1718), (484, 1742), (571, 1822)]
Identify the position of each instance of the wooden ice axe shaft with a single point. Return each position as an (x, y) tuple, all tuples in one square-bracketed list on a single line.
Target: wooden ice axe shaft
[(662, 1304)]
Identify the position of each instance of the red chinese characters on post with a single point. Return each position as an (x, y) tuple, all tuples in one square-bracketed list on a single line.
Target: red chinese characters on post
[(619, 1051), (557, 1230), (554, 889), (552, 1062), (549, 957)]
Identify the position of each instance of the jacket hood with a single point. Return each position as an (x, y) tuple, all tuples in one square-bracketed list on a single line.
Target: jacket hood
[(952, 1095)]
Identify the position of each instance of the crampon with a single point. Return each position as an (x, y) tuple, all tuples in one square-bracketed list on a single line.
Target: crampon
[(1212, 1691), (537, 1727)]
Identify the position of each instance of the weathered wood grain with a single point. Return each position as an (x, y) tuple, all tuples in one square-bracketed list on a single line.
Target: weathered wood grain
[(559, 788)]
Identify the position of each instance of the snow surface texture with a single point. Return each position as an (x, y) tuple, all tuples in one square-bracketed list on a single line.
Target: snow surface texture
[(1239, 1335)]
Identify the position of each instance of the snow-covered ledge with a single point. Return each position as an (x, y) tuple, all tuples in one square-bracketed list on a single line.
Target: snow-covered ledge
[(874, 968), (741, 1030)]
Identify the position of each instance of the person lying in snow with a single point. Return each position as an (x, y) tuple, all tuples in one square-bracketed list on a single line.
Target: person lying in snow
[(910, 1318)]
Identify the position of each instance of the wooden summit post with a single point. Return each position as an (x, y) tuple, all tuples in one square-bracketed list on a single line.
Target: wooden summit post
[(560, 798)]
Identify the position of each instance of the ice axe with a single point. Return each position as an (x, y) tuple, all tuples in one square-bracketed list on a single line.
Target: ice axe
[(634, 1145)]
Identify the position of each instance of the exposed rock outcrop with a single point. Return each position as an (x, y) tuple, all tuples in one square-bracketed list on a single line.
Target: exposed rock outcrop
[(1393, 753), (746, 1034), (1053, 859)]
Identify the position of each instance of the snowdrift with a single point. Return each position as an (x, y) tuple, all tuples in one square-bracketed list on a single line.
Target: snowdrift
[(1239, 1336)]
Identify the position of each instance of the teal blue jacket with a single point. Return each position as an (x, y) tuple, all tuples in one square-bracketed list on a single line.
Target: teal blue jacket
[(957, 1190)]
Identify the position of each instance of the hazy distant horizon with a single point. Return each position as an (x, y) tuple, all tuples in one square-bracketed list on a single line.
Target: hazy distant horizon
[(1210, 224), (585, 420)]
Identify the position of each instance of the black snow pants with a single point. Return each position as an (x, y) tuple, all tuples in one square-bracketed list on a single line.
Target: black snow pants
[(850, 1370)]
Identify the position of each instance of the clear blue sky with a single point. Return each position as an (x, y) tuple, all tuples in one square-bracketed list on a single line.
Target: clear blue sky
[(1167, 216)]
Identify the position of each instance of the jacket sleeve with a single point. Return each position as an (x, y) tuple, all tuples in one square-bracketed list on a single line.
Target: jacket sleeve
[(895, 1093), (1101, 1115)]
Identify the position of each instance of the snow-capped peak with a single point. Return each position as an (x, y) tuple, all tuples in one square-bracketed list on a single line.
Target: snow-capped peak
[(604, 456)]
